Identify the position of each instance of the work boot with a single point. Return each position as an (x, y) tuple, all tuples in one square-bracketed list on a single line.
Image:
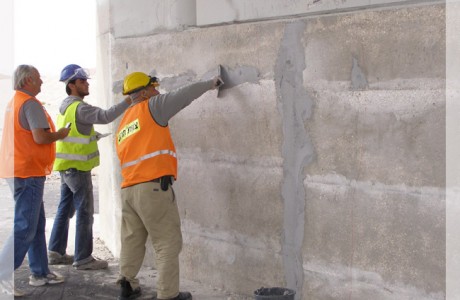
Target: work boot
[(95, 264), (55, 258), (181, 296), (127, 292)]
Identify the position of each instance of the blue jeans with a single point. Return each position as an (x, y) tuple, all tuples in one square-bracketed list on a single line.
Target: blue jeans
[(29, 224), (76, 196), (7, 253), (6, 259)]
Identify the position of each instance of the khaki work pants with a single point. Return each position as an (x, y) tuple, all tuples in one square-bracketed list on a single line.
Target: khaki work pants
[(149, 211)]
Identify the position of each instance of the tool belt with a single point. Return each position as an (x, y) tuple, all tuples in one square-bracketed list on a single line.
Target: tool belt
[(164, 181)]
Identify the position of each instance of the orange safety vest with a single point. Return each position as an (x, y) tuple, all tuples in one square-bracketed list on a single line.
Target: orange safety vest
[(20, 156), (145, 149)]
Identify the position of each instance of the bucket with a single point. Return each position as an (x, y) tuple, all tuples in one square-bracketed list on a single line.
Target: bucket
[(274, 293)]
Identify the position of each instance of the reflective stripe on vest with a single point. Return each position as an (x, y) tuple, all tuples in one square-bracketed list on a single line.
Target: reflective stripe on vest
[(147, 156), (77, 157), (145, 149), (77, 150), (79, 140)]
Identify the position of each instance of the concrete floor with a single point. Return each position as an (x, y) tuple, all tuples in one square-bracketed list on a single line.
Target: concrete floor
[(86, 284)]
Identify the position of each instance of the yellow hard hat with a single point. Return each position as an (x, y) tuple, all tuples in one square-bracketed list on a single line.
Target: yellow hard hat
[(136, 81)]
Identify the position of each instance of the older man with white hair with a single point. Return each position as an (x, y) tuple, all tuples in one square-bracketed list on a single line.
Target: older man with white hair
[(27, 154)]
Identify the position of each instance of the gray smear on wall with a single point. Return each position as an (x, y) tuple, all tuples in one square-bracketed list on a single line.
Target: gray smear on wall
[(295, 107), (238, 75), (231, 78), (166, 83), (172, 83), (358, 78)]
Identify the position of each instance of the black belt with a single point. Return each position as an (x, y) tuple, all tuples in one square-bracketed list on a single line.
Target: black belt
[(164, 181)]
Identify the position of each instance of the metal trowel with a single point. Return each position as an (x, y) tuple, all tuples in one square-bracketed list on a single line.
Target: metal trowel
[(221, 82)]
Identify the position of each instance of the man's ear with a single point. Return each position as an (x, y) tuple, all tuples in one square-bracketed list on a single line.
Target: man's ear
[(73, 84), (29, 80)]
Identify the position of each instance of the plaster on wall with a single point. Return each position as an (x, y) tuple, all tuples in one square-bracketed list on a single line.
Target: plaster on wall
[(295, 107), (358, 78)]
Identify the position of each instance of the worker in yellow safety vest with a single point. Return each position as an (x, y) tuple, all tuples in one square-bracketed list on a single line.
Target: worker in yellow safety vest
[(76, 156)]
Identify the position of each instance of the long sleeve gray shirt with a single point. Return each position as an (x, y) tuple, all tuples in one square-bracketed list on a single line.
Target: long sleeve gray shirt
[(88, 115), (164, 106)]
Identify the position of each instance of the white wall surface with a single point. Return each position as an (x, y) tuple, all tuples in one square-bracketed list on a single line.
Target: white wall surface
[(227, 11), (140, 17), (322, 168)]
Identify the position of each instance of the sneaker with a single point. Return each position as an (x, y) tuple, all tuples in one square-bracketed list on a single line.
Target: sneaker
[(6, 287), (18, 293), (127, 292), (95, 264), (181, 296), (51, 278), (55, 258)]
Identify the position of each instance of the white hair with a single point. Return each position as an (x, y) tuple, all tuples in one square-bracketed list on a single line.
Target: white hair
[(21, 73)]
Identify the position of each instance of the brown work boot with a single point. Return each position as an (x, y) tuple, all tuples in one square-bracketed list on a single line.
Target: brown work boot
[(181, 296), (95, 264), (55, 258)]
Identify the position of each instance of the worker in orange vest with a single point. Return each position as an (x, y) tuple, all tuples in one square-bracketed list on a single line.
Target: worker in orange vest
[(27, 154), (149, 166)]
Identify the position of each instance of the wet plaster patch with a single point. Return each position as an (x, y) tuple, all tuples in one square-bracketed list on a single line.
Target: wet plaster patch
[(231, 76), (239, 75), (172, 83), (295, 107), (166, 83), (358, 78)]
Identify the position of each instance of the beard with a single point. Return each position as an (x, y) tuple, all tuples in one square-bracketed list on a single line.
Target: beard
[(82, 93)]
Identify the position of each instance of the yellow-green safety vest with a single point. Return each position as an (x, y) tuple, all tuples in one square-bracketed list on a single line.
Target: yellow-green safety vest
[(77, 150)]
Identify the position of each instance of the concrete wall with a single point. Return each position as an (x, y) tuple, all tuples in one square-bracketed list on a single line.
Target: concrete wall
[(321, 169), (452, 150), (226, 11), (144, 17)]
